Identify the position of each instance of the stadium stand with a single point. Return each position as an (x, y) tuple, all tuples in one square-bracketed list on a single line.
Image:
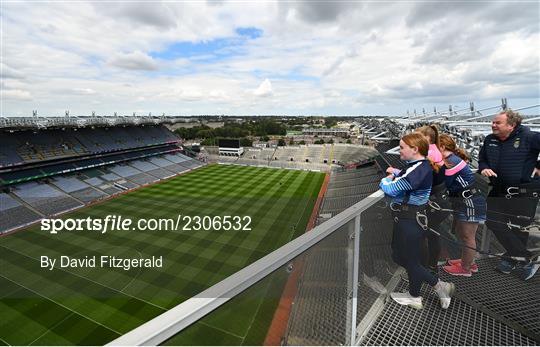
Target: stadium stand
[(161, 173), (8, 151), (44, 198), (89, 194), (47, 171), (102, 185), (144, 166), (69, 184), (160, 162), (22, 147), (174, 158), (390, 159), (312, 157), (13, 214), (94, 181), (124, 170), (110, 177), (141, 178)]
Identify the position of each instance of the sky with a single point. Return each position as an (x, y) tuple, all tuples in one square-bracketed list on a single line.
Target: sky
[(266, 57)]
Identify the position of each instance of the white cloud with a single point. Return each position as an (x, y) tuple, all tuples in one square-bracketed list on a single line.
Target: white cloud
[(326, 57), (84, 91), (133, 61), (17, 94), (9, 72), (264, 89)]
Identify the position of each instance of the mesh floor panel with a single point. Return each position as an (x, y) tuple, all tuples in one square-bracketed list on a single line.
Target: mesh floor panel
[(459, 325), (507, 296)]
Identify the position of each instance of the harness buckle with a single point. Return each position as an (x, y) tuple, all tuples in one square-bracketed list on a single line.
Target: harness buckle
[(393, 208), (511, 191), (435, 206), (467, 194), (533, 228), (422, 220), (511, 225)]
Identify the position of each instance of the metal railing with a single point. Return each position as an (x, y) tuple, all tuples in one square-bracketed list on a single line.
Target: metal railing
[(190, 311)]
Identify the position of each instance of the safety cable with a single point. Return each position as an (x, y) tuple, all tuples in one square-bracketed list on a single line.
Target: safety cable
[(422, 221)]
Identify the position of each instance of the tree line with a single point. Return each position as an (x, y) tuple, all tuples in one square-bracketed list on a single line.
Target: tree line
[(243, 131)]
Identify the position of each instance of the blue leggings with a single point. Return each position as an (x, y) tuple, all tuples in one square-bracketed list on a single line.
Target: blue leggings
[(407, 241)]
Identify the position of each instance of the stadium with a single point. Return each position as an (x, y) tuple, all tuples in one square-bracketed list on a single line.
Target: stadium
[(278, 246)]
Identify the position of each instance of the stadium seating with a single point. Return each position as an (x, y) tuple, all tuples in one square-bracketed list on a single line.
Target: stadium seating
[(160, 162), (8, 151), (79, 166), (144, 166), (22, 147), (84, 165), (89, 194), (13, 214), (390, 159), (44, 198), (142, 178), (69, 184), (312, 157), (174, 158), (94, 181), (348, 187), (124, 170), (110, 177)]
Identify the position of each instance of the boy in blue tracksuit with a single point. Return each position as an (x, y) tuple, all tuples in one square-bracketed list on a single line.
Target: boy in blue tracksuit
[(409, 190)]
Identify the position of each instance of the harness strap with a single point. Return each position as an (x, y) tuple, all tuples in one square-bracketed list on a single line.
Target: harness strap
[(406, 211), (521, 192)]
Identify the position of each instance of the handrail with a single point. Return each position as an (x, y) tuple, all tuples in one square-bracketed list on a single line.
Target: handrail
[(176, 319)]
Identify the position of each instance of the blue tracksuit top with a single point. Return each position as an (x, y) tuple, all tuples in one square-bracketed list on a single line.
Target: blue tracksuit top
[(415, 181), (459, 175)]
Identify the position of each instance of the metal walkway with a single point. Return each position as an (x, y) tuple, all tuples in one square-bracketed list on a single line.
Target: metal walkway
[(489, 309), (461, 324)]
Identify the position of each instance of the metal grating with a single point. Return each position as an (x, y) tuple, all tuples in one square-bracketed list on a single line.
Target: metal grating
[(459, 325), (506, 296), (320, 306)]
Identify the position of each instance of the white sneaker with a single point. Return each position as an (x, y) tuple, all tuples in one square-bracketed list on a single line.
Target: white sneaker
[(407, 299), (445, 291), (374, 284)]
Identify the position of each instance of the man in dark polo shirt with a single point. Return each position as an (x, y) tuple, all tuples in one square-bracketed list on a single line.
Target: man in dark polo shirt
[(509, 158)]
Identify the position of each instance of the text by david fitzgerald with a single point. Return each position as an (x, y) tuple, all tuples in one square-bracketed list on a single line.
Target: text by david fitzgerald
[(104, 261)]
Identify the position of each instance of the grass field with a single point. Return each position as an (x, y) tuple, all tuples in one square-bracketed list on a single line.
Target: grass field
[(96, 305)]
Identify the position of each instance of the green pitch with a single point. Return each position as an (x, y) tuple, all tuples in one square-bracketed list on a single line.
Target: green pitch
[(92, 306)]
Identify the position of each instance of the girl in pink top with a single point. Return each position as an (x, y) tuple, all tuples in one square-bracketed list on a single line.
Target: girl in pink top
[(431, 134)]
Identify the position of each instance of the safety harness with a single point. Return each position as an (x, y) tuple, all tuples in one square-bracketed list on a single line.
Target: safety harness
[(522, 192), (532, 228), (420, 214), (407, 211)]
